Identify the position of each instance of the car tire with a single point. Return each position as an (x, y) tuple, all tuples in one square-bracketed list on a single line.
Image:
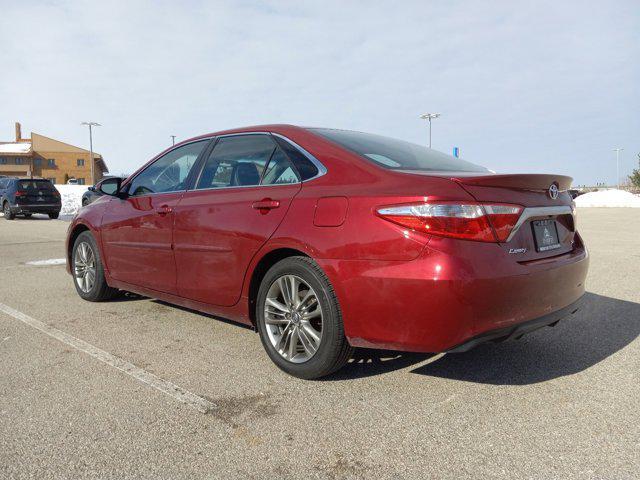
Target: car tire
[(316, 353), (88, 271), (6, 209), (54, 215)]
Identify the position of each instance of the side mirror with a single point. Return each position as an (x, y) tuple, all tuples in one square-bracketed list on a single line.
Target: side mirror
[(110, 186), (92, 189)]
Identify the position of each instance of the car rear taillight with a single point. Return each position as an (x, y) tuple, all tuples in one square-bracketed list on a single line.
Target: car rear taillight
[(56, 193), (503, 218), (21, 193), (469, 221)]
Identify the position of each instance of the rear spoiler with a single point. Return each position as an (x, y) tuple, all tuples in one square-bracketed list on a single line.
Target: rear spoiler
[(520, 181)]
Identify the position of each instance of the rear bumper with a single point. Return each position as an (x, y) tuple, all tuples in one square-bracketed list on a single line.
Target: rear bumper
[(518, 330), (36, 208), (455, 294)]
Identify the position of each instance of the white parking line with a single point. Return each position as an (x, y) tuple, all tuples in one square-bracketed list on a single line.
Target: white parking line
[(178, 393), (49, 261)]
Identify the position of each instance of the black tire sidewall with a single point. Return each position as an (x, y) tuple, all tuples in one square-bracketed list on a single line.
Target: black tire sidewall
[(7, 208), (332, 330), (100, 284)]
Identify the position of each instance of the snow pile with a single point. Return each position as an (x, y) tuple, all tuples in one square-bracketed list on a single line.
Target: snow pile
[(608, 198), (15, 147), (71, 196)]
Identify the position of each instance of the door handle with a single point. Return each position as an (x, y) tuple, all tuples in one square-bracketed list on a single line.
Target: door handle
[(266, 204), (164, 209)]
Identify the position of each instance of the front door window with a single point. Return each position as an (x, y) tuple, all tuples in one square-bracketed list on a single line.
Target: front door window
[(169, 173)]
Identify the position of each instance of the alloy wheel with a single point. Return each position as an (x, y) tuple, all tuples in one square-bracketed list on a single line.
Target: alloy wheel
[(84, 262), (293, 318)]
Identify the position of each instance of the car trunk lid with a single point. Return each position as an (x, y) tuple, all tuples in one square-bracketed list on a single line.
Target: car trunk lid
[(543, 219), (546, 227), (37, 192)]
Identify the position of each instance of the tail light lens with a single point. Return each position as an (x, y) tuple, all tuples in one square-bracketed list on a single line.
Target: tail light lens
[(469, 221), (56, 193), (21, 193), (503, 218)]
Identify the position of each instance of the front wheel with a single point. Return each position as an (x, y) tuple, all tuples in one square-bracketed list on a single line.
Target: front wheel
[(299, 319), (88, 271)]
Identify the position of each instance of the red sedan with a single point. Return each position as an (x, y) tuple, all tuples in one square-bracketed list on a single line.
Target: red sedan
[(325, 240)]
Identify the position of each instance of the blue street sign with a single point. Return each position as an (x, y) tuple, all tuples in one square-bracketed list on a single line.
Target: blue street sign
[(456, 152)]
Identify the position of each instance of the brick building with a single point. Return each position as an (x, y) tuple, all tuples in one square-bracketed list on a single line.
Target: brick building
[(41, 156)]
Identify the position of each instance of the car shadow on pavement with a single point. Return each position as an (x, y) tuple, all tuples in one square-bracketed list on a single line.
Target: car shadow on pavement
[(368, 362), (127, 297), (602, 327), (203, 314)]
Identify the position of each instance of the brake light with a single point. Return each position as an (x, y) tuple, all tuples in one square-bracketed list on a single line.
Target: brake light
[(468, 221), (503, 218), (21, 193), (56, 193)]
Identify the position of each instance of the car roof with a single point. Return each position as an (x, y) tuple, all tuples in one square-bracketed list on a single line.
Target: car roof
[(281, 128)]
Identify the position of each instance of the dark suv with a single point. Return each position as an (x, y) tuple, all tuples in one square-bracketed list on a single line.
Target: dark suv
[(25, 196)]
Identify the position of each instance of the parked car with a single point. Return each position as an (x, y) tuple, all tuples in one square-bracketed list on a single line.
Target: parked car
[(72, 181), (325, 240), (26, 196), (575, 192), (92, 193)]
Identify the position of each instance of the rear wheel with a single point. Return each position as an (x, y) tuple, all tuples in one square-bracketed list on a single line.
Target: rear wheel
[(88, 271), (6, 209), (299, 319), (54, 215)]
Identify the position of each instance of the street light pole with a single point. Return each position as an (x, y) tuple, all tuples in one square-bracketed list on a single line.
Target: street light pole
[(90, 125), (618, 150), (429, 116), (173, 139)]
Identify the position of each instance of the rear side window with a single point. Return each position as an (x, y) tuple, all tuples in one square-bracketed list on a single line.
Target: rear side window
[(237, 161), (303, 165), (279, 170), (396, 154)]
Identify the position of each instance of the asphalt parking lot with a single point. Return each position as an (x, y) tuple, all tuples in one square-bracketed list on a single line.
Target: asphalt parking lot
[(563, 402)]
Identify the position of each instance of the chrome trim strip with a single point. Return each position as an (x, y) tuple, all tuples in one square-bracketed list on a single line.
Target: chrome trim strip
[(531, 212), (36, 205), (322, 170)]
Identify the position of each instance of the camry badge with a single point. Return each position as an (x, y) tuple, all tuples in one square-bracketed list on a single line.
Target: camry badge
[(553, 191), (517, 250)]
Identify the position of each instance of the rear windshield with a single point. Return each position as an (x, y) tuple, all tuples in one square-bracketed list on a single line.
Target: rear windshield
[(35, 185), (397, 154)]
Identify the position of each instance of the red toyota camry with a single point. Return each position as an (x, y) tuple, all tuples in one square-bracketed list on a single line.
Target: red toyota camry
[(325, 240)]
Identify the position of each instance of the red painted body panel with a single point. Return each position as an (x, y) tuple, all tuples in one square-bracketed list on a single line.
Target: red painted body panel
[(397, 288), (137, 240), (330, 211), (217, 232)]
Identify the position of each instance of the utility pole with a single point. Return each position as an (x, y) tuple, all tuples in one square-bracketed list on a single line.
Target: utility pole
[(90, 125), (618, 150), (429, 116), (173, 140)]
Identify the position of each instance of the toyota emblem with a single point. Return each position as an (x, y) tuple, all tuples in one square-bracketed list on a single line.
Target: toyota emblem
[(553, 191)]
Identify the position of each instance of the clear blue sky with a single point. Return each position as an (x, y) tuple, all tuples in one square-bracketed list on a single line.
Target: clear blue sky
[(522, 86)]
